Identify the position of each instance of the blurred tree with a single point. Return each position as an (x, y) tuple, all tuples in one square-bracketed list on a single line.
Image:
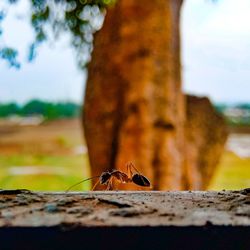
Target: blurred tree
[(134, 107), (134, 101), (37, 107), (34, 107), (135, 104), (9, 109)]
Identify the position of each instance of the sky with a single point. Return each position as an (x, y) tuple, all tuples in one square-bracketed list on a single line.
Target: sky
[(215, 56)]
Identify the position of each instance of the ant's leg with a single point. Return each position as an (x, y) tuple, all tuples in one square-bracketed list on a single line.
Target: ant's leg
[(129, 170), (133, 166), (110, 184), (95, 185)]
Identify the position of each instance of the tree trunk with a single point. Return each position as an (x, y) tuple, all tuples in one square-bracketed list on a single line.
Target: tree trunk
[(206, 134), (134, 108)]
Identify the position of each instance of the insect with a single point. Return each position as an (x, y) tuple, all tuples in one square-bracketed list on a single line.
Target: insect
[(107, 178)]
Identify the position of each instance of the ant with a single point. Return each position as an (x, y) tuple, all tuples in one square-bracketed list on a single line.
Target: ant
[(107, 178)]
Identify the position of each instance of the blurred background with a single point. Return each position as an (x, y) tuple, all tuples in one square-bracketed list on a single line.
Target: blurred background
[(41, 137)]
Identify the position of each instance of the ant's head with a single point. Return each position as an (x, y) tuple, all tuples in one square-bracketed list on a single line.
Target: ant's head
[(104, 178), (140, 180)]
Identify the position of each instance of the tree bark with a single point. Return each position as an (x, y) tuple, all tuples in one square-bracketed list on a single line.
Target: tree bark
[(134, 108), (205, 136)]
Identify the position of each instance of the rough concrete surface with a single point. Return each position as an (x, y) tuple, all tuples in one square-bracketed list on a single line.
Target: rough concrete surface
[(24, 208), (133, 220)]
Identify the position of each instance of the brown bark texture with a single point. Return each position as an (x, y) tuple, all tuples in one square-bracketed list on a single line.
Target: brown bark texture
[(134, 108), (206, 134)]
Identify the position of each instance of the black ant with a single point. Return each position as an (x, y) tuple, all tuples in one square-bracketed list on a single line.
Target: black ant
[(107, 177)]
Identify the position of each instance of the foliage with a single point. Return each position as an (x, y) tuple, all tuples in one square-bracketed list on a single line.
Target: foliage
[(79, 18), (10, 55), (9, 109), (235, 114), (220, 107), (243, 106), (37, 107)]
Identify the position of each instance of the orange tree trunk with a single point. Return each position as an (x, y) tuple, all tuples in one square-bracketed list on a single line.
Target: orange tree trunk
[(134, 108)]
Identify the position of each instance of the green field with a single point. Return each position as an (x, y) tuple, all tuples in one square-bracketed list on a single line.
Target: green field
[(233, 172), (40, 172), (59, 172), (42, 157), (45, 158)]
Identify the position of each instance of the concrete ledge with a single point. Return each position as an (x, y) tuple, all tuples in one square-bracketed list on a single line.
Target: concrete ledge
[(125, 220)]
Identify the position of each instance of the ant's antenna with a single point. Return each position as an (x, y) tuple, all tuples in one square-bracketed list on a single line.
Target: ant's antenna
[(81, 182)]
